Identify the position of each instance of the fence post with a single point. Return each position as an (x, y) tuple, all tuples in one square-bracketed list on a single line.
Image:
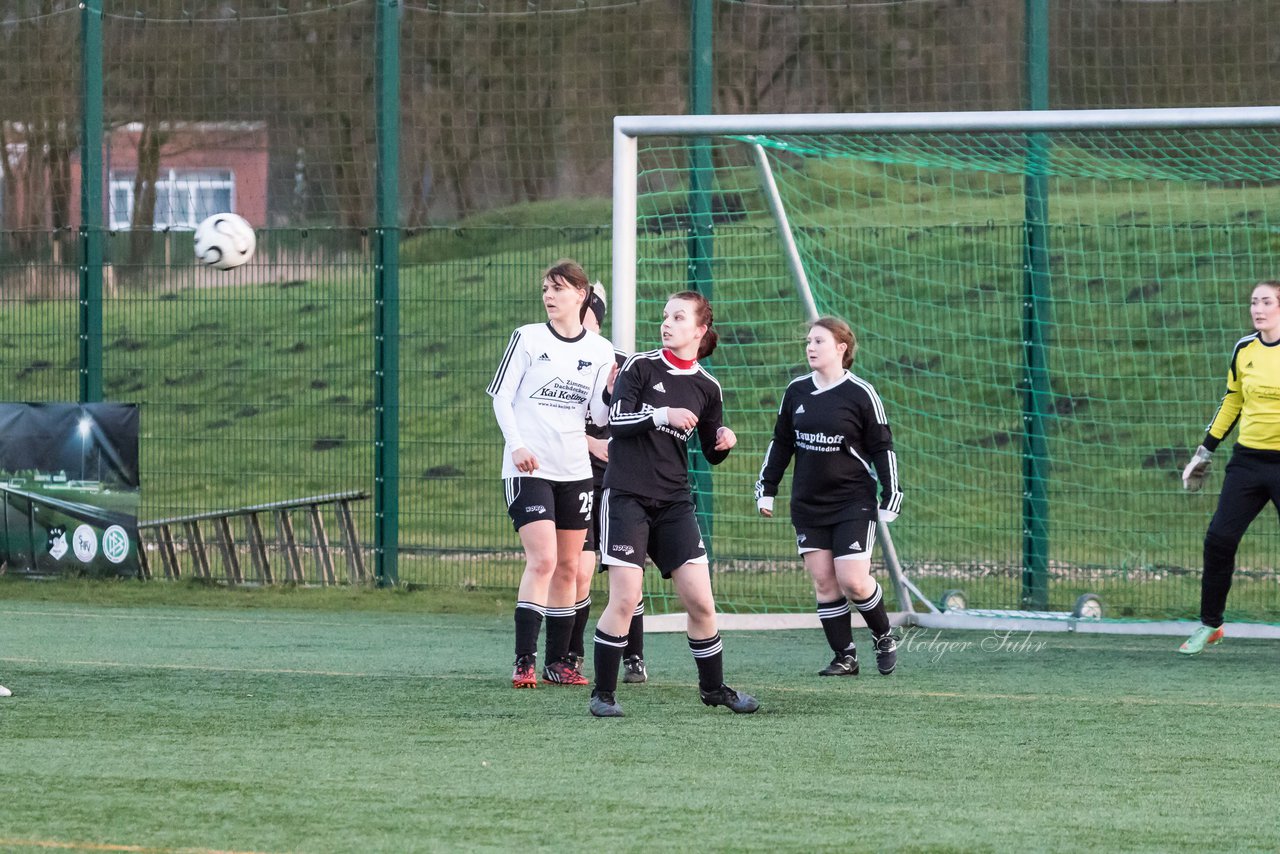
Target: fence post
[(701, 247), (91, 231), (1037, 393), (387, 302)]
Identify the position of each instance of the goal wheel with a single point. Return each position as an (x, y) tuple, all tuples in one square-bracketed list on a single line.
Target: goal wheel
[(1088, 607), (953, 600)]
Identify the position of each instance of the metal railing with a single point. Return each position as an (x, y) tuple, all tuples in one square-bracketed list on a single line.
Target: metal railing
[(257, 544)]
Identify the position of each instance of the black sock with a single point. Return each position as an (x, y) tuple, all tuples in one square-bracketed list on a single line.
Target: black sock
[(836, 624), (608, 660), (873, 612), (559, 627), (635, 635), (581, 614), (528, 627), (708, 654)]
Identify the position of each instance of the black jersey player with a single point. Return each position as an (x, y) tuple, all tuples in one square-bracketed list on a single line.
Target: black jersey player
[(634, 669), (833, 424), (660, 399)]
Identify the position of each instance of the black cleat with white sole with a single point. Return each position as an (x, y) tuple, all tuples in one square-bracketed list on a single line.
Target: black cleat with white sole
[(844, 664)]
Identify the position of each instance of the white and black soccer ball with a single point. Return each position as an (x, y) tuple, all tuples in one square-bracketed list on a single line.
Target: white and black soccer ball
[(224, 241)]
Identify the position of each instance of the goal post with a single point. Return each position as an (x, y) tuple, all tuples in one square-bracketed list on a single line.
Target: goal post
[(1045, 301)]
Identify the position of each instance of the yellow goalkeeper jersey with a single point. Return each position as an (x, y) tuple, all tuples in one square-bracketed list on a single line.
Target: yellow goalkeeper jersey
[(1252, 398)]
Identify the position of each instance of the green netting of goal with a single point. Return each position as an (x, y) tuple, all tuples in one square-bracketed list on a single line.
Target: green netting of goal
[(1153, 242)]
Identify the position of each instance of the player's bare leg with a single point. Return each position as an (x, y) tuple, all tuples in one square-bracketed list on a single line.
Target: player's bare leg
[(625, 586), (561, 597), (693, 586), (539, 541), (868, 597), (833, 613)]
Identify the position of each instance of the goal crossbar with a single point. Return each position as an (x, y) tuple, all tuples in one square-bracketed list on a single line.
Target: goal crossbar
[(628, 129)]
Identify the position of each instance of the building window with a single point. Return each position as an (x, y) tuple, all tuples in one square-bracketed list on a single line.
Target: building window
[(183, 197)]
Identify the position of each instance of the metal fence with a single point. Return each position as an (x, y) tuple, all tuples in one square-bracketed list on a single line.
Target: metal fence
[(380, 297)]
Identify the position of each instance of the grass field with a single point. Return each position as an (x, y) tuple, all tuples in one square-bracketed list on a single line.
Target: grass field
[(179, 718)]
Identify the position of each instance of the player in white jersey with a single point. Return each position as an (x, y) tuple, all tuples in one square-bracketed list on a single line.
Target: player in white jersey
[(552, 376)]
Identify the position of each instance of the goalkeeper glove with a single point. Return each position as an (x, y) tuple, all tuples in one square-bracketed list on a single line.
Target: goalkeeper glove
[(765, 505), (1193, 476), (885, 516)]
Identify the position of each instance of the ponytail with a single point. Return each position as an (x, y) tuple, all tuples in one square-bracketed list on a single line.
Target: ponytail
[(708, 344)]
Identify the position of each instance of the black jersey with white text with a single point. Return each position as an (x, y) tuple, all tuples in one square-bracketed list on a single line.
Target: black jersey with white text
[(595, 432), (840, 439), (649, 459)]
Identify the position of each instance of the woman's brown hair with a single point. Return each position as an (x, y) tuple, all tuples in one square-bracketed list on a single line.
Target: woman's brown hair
[(842, 333), (704, 317), (571, 273)]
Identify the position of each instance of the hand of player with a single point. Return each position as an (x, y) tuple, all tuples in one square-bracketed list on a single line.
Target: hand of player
[(681, 419), (525, 460), (885, 516), (765, 505), (598, 448), (1193, 476), (613, 376), (725, 439)]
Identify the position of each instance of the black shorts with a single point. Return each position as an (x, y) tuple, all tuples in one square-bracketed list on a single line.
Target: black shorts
[(852, 539), (634, 527), (568, 503)]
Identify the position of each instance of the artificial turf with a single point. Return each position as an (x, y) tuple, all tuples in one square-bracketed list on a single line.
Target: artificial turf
[(306, 724)]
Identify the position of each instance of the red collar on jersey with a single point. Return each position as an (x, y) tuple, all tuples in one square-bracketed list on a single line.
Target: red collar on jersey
[(682, 364)]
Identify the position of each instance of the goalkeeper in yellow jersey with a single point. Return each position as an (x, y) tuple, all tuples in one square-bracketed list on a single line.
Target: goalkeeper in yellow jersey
[(1253, 473)]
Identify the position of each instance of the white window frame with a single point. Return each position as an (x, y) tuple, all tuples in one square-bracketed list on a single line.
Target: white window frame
[(174, 184)]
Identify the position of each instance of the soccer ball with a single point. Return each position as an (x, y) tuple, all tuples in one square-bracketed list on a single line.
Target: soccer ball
[(224, 241)]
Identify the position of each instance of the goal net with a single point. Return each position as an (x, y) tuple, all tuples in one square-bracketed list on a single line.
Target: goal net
[(1046, 303)]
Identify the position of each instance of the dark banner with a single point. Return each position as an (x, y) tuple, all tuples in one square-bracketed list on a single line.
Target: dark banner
[(69, 483)]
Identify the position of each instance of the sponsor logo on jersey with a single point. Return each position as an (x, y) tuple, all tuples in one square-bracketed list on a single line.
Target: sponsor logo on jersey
[(660, 388), (1263, 392), (825, 442), (682, 435), (544, 358), (800, 409), (583, 364), (564, 394), (622, 549), (535, 508)]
